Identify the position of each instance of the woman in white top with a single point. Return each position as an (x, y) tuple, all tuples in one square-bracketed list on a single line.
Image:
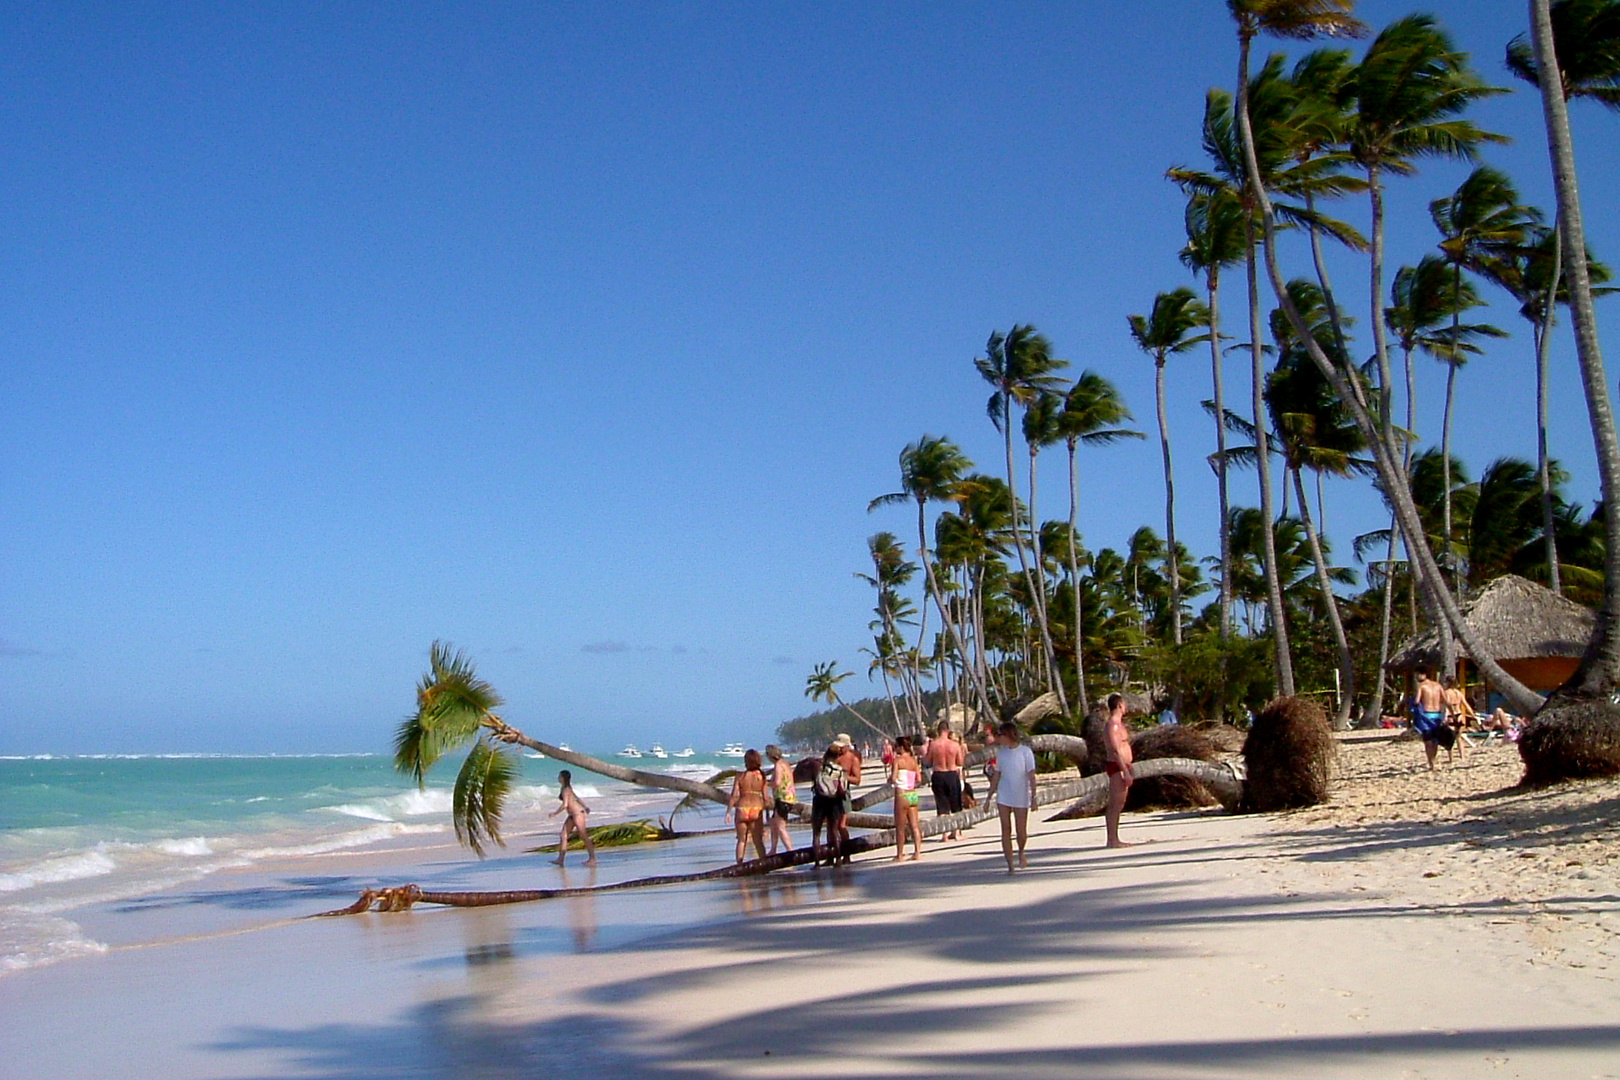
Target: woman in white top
[(1014, 791)]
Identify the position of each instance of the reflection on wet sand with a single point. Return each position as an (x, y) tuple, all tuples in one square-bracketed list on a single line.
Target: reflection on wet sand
[(581, 909)]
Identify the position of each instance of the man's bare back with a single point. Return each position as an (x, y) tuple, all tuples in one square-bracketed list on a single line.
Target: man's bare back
[(945, 754)]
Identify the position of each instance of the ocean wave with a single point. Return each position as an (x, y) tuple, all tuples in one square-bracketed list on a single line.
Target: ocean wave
[(195, 846), (85, 864), (29, 940), (358, 838), (412, 803)]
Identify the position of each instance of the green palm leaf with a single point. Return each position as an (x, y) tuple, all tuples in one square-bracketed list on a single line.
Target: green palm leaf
[(480, 794)]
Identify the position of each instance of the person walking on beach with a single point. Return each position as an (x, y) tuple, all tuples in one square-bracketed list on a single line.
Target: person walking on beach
[(1429, 717), (782, 798), (827, 792), (577, 812), (748, 803), (945, 756), (1117, 743), (1459, 713), (850, 761), (1013, 788), (905, 773)]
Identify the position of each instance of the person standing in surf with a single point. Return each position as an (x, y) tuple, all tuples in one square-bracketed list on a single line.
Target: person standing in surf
[(577, 812)]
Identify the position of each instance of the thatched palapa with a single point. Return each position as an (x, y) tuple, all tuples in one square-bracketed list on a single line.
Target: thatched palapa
[(1536, 635)]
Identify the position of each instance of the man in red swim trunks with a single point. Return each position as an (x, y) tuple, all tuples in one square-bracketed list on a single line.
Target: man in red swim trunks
[(1117, 741)]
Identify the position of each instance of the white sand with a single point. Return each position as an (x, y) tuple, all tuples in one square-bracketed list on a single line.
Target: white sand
[(1310, 944)]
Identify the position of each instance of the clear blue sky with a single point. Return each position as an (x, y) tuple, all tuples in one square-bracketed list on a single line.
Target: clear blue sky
[(580, 335)]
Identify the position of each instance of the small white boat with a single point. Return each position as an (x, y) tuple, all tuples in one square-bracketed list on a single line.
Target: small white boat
[(688, 752), (535, 754), (732, 749), (658, 751), (630, 751), (565, 746)]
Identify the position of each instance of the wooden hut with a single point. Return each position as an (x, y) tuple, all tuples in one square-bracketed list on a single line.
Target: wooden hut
[(1536, 635)]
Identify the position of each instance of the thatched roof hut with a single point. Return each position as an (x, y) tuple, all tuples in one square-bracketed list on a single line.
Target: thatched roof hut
[(1536, 635)]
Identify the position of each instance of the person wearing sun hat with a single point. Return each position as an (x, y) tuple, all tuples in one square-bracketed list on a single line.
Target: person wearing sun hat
[(850, 761)]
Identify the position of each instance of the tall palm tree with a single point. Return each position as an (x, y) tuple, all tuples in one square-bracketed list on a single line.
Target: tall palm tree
[(1579, 730), (1481, 224), (1215, 222), (1300, 20), (1019, 365), (1040, 431), (1534, 276), (930, 471), (891, 572), (1166, 330), (1092, 411)]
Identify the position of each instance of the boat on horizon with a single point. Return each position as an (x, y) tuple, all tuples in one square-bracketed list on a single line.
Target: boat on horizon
[(658, 751), (630, 751), (688, 752), (731, 749)]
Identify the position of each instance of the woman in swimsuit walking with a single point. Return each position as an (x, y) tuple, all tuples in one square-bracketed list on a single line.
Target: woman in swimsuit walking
[(906, 776), (748, 803), (575, 821)]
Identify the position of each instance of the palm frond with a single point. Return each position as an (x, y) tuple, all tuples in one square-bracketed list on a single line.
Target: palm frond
[(480, 794)]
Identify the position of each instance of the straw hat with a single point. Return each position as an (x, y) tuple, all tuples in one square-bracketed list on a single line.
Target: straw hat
[(844, 741)]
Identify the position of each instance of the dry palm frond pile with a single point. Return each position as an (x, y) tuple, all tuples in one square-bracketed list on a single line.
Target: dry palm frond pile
[(1289, 755), (1571, 741), (1201, 743)]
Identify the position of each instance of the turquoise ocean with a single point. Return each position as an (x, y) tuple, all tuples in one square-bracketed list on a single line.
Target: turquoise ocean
[(81, 831)]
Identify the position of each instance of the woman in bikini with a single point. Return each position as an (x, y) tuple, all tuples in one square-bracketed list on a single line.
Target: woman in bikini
[(748, 803), (577, 811), (906, 776), (782, 799)]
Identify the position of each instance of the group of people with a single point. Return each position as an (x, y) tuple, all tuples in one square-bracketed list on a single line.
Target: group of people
[(943, 758), (1441, 713)]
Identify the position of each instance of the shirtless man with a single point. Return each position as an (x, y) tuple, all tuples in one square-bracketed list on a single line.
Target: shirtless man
[(945, 756), (851, 763), (1117, 741), (1429, 717)]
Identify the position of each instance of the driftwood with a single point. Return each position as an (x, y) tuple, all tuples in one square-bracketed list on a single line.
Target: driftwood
[(400, 898)]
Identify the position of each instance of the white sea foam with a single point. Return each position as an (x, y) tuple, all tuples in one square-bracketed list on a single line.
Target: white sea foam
[(84, 864), (412, 803), (194, 846), (30, 940), (359, 838)]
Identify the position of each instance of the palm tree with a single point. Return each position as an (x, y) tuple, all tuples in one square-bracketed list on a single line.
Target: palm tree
[(1577, 733), (1092, 410), (1481, 224), (822, 685), (1215, 222), (453, 707), (1040, 431), (1166, 330), (1300, 20), (1534, 277), (891, 572), (1019, 365), (930, 471)]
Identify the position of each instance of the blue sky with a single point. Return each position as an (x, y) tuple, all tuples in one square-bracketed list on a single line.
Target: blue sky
[(580, 336)]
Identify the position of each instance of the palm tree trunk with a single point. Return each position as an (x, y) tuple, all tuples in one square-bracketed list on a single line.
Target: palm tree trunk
[(1169, 502), (1599, 671), (1330, 608), (1375, 708), (1543, 336), (1449, 557), (952, 637), (1040, 591), (1268, 539), (1074, 577), (1036, 604), (1214, 291)]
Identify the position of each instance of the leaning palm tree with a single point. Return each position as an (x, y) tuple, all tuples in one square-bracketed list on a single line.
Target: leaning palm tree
[(1019, 365), (1481, 224), (1041, 431), (1215, 222), (1578, 732), (1167, 330), (1092, 411), (822, 685), (454, 707)]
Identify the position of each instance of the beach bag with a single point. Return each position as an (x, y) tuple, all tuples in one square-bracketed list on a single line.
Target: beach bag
[(830, 780)]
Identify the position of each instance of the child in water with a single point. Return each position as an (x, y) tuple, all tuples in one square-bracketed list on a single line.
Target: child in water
[(574, 822)]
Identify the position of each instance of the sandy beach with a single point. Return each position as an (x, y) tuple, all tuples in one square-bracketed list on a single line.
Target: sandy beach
[(1420, 926)]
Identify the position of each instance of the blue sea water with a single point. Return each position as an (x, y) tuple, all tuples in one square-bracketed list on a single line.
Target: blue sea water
[(86, 830)]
